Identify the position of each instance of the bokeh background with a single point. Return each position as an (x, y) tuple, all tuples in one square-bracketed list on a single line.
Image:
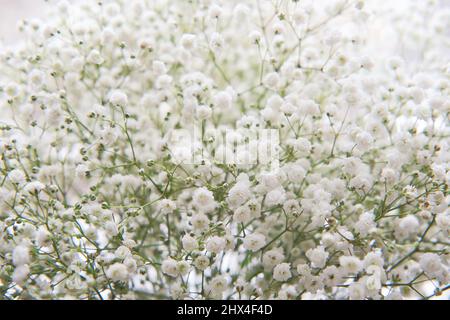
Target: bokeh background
[(384, 37)]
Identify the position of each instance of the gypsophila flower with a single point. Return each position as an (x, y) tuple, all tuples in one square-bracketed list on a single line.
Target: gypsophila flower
[(17, 176), (167, 206), (20, 274), (118, 272), (350, 264), (317, 256), (226, 150), (218, 285), (430, 263), (272, 258), (203, 200), (189, 243), (199, 221), (201, 262), (21, 255), (118, 97), (170, 267), (254, 241), (94, 57), (215, 244), (282, 272)]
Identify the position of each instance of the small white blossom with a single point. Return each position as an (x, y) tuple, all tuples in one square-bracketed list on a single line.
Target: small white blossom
[(254, 241), (215, 244), (189, 243), (282, 272), (170, 267), (118, 272), (350, 264), (20, 274), (317, 256), (21, 255), (203, 199), (118, 98)]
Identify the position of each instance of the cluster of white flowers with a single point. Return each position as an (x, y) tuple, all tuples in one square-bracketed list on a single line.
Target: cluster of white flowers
[(96, 203)]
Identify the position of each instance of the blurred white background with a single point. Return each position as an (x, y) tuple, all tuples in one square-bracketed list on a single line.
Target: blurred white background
[(383, 36), (11, 11)]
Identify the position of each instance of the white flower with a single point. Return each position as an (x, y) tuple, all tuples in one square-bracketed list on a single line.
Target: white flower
[(389, 175), (112, 228), (331, 276), (443, 222), (16, 176), (21, 255), (291, 206), (366, 223), (122, 252), (299, 16), (216, 42), (199, 222), (12, 90), (108, 136), (430, 263), (395, 62), (282, 272), (373, 281), (95, 57), (364, 140), (131, 264), (215, 244), (34, 187), (275, 197), (272, 80), (188, 41), (37, 77), (309, 107), (222, 100), (318, 256), (303, 145), (407, 226), (189, 243), (159, 67), (20, 274), (201, 262), (350, 264), (215, 11), (218, 284), (356, 291), (373, 259), (118, 272), (272, 257), (242, 214), (255, 36), (82, 170), (177, 291), (239, 194), (167, 206), (203, 199), (183, 267), (42, 236), (170, 267), (203, 112), (295, 173), (254, 241), (118, 98), (241, 11)]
